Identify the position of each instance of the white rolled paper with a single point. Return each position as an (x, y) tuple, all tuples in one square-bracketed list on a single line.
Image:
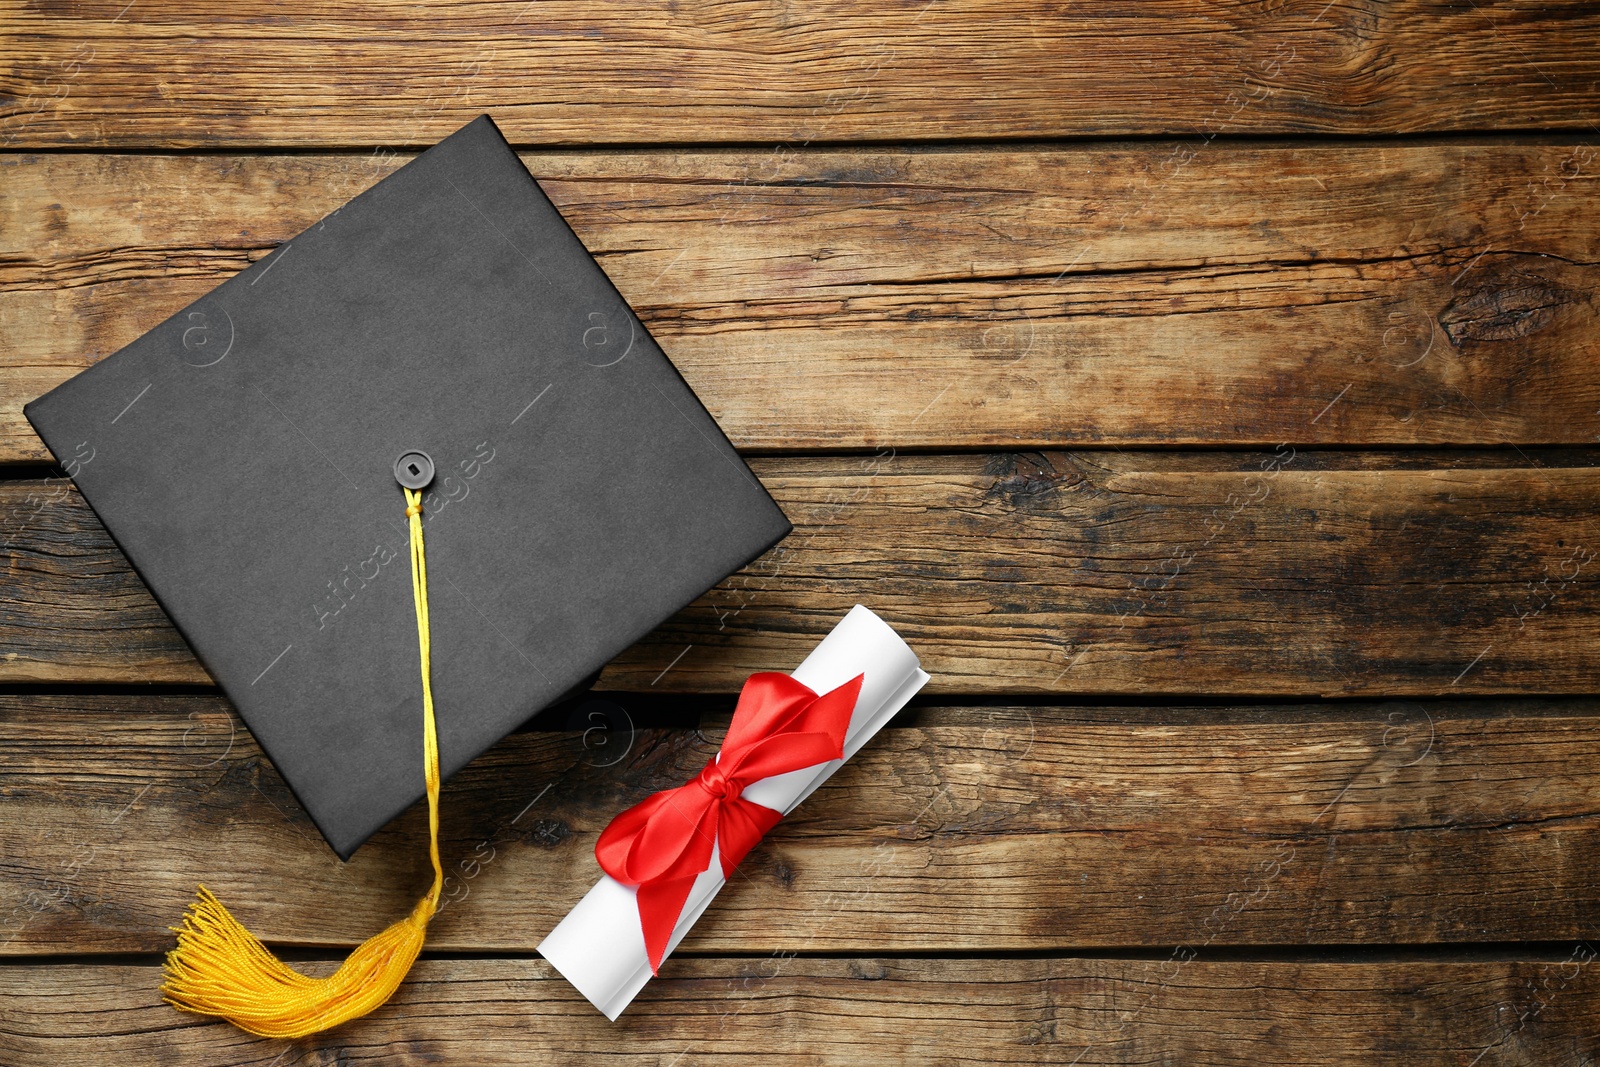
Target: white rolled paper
[(599, 946)]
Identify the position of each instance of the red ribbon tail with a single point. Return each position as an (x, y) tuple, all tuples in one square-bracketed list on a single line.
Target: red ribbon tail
[(660, 905), (742, 826)]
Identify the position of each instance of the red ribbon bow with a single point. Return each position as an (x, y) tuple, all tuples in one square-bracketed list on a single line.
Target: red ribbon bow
[(662, 844)]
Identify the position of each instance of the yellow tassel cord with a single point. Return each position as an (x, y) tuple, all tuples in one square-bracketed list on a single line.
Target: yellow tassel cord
[(220, 968)]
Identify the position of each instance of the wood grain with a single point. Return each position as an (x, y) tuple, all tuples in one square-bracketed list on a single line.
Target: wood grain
[(974, 830), (185, 72), (971, 298), (1288, 573), (868, 1012), (909, 255)]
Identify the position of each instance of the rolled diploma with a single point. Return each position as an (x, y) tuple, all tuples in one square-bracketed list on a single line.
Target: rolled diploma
[(599, 946)]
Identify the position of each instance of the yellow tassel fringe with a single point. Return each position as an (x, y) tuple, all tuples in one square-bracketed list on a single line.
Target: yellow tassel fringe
[(220, 968)]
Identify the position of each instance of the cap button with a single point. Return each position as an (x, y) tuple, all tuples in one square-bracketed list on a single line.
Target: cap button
[(414, 469)]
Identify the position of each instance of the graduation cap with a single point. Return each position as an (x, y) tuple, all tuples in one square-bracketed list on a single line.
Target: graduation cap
[(447, 331)]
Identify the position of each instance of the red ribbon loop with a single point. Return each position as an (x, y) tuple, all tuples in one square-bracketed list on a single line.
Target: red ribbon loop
[(663, 843)]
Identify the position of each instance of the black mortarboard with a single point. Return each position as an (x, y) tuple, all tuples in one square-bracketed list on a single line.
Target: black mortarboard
[(243, 456)]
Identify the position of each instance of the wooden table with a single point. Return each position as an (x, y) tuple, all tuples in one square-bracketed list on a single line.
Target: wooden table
[(1206, 390)]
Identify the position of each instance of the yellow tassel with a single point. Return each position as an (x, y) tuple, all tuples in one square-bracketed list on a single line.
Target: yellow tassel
[(220, 968)]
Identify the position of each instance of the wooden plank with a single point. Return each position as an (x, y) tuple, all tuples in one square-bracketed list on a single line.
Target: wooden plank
[(172, 73), (975, 829), (867, 1012), (1018, 298), (1227, 573)]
